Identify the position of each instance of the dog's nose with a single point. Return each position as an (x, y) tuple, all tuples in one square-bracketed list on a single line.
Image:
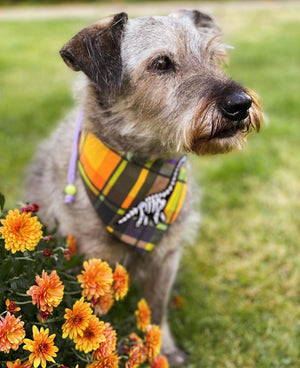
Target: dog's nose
[(235, 106)]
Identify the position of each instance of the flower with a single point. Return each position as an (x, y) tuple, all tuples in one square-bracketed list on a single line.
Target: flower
[(103, 304), (153, 341), (143, 315), (159, 362), (71, 241), (47, 252), (12, 332), (42, 347), (110, 361), (44, 315), (121, 282), (11, 306), (137, 356), (18, 364), (20, 231), (48, 238), (91, 337), (30, 208), (108, 346), (97, 278), (49, 292), (77, 319)]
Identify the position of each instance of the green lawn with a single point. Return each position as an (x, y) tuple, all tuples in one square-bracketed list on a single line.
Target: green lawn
[(240, 281)]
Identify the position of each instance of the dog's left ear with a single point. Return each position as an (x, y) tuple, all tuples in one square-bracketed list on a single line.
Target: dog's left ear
[(201, 20), (96, 51)]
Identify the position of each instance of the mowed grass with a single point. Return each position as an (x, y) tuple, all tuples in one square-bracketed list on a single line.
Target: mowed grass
[(240, 281)]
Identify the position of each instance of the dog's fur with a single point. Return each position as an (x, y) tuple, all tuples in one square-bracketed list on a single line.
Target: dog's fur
[(154, 87)]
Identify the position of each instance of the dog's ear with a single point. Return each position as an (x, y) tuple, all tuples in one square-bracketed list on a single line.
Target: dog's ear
[(201, 20), (96, 51)]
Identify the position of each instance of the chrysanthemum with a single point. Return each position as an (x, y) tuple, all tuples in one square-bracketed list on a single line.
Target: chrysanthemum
[(153, 341), (42, 347), (49, 292), (96, 279), (137, 356), (110, 361), (121, 282), (143, 315), (18, 364), (108, 346), (71, 241), (12, 332), (92, 336), (103, 304), (20, 231), (77, 319), (159, 362), (11, 306)]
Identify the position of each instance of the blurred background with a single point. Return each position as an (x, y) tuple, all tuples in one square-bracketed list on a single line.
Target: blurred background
[(237, 299)]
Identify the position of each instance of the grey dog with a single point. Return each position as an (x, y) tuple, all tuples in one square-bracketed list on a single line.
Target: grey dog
[(154, 87)]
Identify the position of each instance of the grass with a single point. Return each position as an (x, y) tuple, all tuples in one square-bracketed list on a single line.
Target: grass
[(240, 281)]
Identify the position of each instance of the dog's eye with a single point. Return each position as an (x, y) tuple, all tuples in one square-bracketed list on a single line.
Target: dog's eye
[(162, 64)]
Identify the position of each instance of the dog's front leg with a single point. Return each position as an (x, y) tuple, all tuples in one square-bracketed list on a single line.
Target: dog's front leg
[(159, 276)]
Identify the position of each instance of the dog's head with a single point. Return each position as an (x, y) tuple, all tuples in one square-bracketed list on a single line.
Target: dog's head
[(163, 77)]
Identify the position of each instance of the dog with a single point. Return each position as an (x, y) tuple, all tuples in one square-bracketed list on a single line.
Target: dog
[(153, 91)]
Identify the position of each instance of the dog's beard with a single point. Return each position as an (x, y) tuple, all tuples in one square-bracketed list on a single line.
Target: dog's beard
[(210, 133)]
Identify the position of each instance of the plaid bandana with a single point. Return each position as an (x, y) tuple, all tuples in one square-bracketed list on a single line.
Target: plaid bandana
[(136, 200)]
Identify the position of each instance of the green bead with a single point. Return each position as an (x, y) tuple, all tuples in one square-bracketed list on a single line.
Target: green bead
[(71, 189)]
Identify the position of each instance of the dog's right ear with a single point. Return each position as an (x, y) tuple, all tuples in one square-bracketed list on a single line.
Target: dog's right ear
[(96, 51)]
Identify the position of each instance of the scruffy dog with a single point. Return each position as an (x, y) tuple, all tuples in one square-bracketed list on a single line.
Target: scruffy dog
[(154, 91)]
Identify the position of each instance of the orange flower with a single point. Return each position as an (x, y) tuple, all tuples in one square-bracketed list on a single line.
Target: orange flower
[(121, 282), (159, 362), (97, 278), (92, 336), (137, 356), (110, 361), (103, 304), (49, 292), (71, 241), (153, 341), (77, 319), (20, 231), (18, 364), (42, 347), (143, 315), (108, 346), (12, 332), (11, 306)]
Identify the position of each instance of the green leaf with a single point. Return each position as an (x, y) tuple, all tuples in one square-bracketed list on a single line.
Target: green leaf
[(2, 202)]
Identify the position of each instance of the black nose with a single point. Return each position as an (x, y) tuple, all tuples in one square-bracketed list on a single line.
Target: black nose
[(235, 106)]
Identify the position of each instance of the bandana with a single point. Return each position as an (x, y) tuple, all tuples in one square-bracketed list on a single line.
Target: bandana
[(136, 200)]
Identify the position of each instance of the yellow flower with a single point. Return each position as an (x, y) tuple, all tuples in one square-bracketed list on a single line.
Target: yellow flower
[(49, 292), (92, 336), (42, 347), (96, 279), (110, 361), (18, 364), (159, 362), (20, 231), (103, 304), (77, 319), (143, 315), (108, 346), (153, 341), (121, 282), (12, 333)]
